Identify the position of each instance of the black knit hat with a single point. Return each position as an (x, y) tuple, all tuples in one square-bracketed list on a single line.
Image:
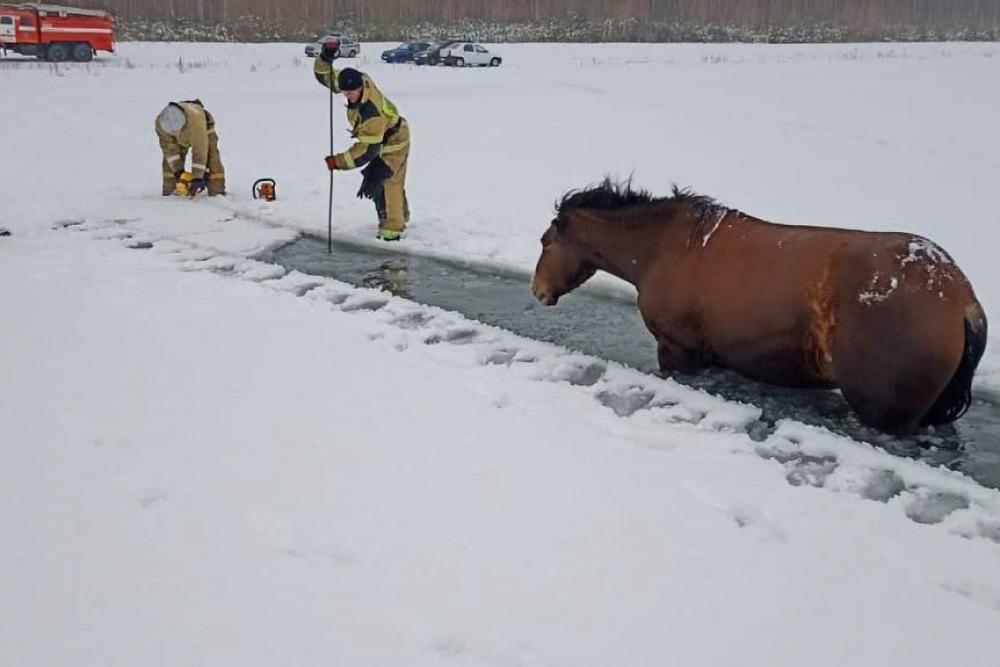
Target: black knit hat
[(349, 79)]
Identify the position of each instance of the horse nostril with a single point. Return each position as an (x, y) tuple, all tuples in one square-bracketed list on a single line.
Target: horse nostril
[(545, 298), (541, 293)]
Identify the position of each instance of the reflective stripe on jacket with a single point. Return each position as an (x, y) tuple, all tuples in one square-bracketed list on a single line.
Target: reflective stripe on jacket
[(374, 120)]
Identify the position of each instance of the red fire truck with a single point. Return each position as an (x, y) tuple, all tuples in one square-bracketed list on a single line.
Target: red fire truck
[(55, 33)]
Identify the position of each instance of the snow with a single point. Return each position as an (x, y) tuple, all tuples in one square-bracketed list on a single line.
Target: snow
[(718, 220), (872, 295), (929, 251), (209, 460)]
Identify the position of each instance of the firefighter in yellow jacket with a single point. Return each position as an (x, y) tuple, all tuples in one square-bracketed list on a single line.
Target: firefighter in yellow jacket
[(183, 126), (381, 144)]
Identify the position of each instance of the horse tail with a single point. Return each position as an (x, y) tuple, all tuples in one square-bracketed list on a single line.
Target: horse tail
[(956, 398)]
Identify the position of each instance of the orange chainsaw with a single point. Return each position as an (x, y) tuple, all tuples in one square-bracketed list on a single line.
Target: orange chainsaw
[(264, 188)]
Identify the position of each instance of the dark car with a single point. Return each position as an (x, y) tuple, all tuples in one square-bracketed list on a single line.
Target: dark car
[(432, 54), (404, 52)]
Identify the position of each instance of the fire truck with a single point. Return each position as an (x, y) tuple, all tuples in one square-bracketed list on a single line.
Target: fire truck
[(55, 33)]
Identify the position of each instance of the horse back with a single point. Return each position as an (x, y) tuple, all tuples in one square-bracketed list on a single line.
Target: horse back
[(751, 296), (896, 271), (771, 301)]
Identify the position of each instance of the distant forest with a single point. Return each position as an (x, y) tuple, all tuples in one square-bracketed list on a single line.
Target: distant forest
[(560, 20)]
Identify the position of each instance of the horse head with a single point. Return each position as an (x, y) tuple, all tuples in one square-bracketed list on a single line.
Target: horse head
[(563, 265)]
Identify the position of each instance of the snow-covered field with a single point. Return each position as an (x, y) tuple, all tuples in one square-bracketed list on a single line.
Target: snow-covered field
[(205, 460)]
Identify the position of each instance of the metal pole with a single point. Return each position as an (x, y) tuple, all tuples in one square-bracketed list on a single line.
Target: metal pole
[(329, 208)]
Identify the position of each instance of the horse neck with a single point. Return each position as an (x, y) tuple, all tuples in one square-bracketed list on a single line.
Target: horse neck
[(620, 247)]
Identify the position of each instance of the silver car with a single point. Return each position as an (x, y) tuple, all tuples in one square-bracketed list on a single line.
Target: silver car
[(349, 48)]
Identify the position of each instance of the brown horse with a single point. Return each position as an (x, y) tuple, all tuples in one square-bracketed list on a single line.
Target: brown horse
[(886, 317)]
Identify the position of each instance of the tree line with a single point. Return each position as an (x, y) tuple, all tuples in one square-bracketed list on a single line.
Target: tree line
[(857, 16)]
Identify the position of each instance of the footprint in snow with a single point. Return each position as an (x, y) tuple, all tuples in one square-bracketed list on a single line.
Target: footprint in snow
[(810, 470), (580, 374), (934, 506), (412, 320), (501, 357), (626, 403), (456, 336), (363, 303), (301, 289)]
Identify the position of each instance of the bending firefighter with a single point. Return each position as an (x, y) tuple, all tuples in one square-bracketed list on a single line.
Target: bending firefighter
[(381, 144), (183, 126)]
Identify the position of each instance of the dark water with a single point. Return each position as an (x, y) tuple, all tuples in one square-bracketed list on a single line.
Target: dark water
[(610, 328)]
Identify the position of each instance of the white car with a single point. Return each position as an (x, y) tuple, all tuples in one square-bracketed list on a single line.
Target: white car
[(349, 48), (469, 53)]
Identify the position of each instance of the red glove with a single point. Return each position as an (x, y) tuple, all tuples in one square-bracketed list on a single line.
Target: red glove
[(330, 51), (331, 163)]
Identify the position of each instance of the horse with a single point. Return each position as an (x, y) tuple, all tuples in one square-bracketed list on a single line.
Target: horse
[(886, 317)]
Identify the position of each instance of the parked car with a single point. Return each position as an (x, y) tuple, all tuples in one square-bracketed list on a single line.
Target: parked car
[(349, 48), (469, 53), (404, 52), (432, 55)]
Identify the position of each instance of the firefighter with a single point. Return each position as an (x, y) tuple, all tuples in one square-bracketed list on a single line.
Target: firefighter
[(381, 143), (188, 125)]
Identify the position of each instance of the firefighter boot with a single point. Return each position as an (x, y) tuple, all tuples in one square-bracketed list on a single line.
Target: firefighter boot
[(390, 234), (216, 184)]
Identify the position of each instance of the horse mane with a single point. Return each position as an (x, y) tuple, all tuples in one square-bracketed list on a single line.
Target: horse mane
[(609, 195)]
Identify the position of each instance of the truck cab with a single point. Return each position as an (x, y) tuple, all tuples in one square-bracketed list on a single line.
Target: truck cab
[(55, 33)]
